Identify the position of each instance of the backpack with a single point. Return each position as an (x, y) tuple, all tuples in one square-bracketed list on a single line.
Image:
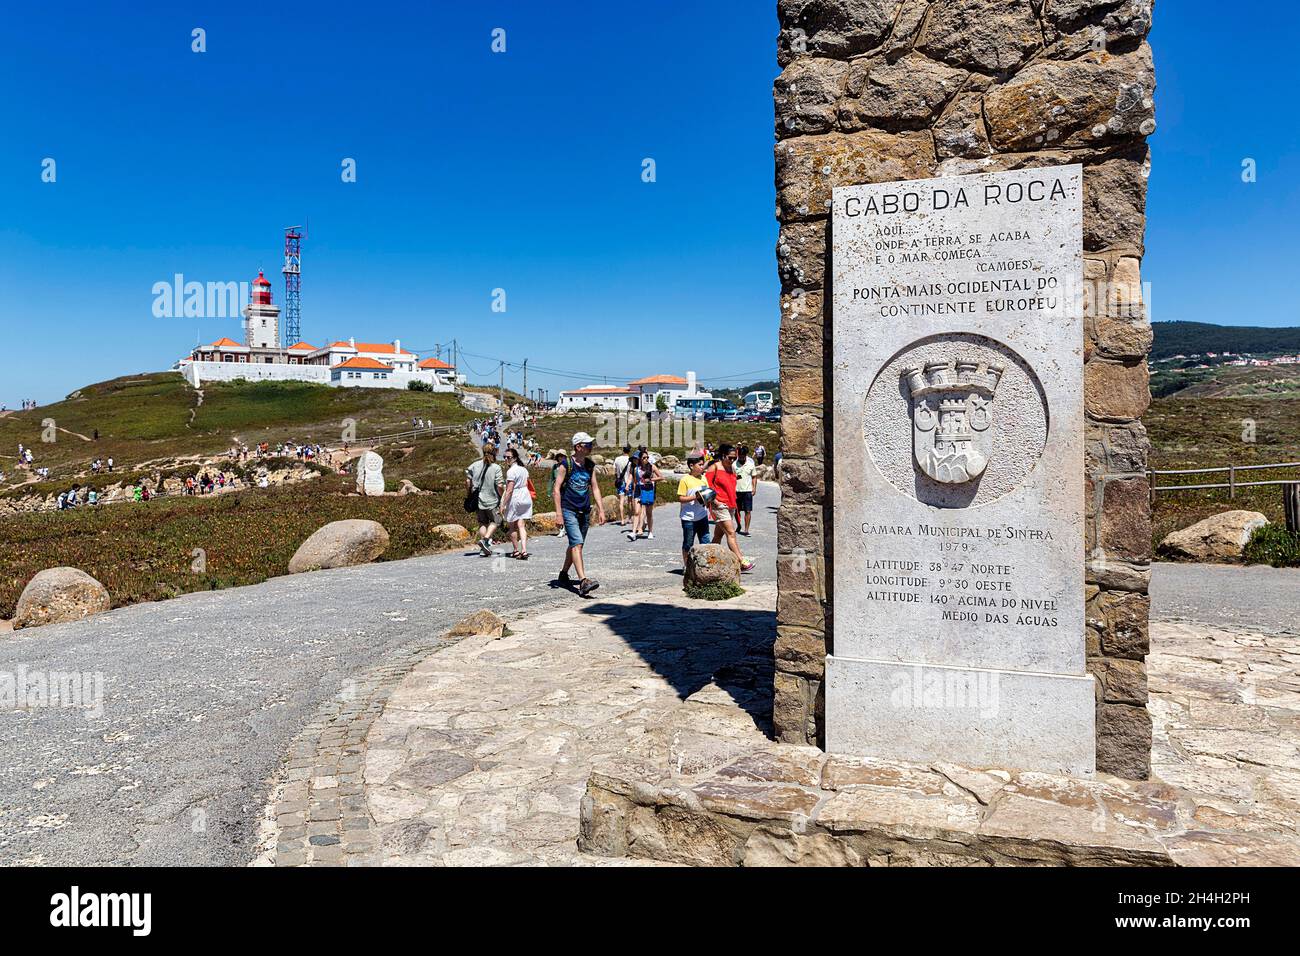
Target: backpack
[(471, 497)]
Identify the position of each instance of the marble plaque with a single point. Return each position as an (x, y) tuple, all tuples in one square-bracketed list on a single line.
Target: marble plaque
[(957, 416)]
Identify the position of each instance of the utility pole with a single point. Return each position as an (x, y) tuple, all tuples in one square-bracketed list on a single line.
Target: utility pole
[(525, 378), (501, 387)]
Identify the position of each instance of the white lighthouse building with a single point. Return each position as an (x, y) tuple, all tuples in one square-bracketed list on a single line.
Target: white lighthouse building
[(261, 318)]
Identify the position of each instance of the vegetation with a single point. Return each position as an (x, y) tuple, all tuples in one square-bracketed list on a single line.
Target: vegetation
[(717, 591), (1193, 338), (1273, 544)]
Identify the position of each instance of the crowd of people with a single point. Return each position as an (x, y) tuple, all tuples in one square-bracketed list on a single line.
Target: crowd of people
[(715, 498), (27, 405)]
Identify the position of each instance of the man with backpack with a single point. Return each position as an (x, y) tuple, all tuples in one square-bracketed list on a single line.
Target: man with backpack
[(621, 464), (575, 489)]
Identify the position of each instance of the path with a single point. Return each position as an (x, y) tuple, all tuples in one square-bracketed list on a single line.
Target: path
[(203, 694), (1232, 596)]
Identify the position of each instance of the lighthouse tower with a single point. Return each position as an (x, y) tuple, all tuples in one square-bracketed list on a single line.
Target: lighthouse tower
[(261, 318)]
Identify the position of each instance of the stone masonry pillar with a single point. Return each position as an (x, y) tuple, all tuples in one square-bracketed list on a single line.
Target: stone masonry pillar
[(883, 90)]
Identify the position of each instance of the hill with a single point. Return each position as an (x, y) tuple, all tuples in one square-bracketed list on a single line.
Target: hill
[(1198, 338), (140, 418)]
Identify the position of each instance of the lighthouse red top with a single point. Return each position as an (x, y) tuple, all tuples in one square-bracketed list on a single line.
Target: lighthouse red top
[(261, 290)]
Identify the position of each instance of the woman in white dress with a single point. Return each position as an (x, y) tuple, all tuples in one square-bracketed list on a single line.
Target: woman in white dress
[(517, 504)]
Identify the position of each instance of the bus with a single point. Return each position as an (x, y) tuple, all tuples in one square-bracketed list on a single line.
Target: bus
[(702, 408), (758, 403)]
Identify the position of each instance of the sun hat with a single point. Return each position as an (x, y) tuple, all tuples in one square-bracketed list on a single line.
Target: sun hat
[(582, 438)]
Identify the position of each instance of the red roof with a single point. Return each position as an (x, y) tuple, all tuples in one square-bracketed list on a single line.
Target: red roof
[(225, 343), (435, 363), (261, 279), (302, 347), (358, 361), (659, 380), (379, 348), (598, 390)]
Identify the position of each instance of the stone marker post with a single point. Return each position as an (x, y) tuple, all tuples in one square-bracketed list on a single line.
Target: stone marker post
[(877, 91)]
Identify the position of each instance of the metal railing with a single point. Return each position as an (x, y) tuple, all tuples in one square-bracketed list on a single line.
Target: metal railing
[(1232, 484)]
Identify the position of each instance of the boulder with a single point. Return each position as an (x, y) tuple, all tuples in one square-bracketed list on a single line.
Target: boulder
[(407, 487), (56, 595), (546, 523), (456, 533), (611, 505), (480, 623), (1218, 538), (370, 474), (669, 463), (711, 564), (340, 544)]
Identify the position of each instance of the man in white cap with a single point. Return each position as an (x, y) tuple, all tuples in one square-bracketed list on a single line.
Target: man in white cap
[(575, 491)]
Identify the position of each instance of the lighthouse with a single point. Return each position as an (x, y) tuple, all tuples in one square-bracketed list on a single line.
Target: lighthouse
[(261, 318)]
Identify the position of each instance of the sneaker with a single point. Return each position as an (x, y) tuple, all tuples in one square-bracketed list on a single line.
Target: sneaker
[(650, 535), (587, 586), (747, 566), (484, 548), (631, 536), (563, 578)]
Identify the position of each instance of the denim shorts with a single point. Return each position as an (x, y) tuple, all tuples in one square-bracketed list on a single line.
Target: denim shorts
[(692, 530), (575, 526)]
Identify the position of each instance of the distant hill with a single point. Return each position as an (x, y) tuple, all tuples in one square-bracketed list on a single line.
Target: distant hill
[(1192, 338)]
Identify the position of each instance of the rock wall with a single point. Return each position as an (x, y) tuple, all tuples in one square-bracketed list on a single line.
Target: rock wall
[(882, 90)]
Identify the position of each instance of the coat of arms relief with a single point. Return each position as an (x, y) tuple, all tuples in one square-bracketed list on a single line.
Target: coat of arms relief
[(952, 410)]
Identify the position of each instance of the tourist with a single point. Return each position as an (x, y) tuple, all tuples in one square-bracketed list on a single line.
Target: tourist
[(693, 492), (483, 483), (92, 497), (760, 453), (517, 505), (722, 479), (645, 475), (621, 464), (745, 468), (576, 489), (110, 463)]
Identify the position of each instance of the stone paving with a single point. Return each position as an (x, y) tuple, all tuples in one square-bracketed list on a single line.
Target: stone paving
[(705, 788), (481, 753), (512, 751)]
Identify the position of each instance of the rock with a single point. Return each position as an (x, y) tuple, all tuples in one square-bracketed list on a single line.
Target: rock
[(669, 463), (1219, 538), (407, 487), (809, 167), (611, 504), (479, 623), (340, 544), (806, 94), (546, 523), (992, 36), (1095, 99), (835, 28), (961, 131), (456, 533), (801, 255), (711, 564), (56, 595), (370, 474), (907, 93)]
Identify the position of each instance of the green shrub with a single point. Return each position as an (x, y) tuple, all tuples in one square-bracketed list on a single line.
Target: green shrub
[(718, 591), (1273, 544)]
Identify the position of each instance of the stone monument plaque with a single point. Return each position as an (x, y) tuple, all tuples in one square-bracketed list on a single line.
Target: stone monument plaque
[(370, 474), (958, 472)]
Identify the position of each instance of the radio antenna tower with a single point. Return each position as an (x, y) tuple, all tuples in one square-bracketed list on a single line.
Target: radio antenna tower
[(293, 285)]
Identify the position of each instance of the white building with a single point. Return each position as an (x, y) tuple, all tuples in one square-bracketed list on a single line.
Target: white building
[(642, 395), (348, 364)]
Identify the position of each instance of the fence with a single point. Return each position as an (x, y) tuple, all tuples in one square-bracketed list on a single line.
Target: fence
[(1232, 484)]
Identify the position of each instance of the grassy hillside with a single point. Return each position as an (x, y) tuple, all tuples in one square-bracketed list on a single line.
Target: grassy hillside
[(146, 417), (1191, 338)]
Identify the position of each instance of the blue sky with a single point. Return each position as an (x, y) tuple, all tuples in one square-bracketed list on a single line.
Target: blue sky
[(520, 171)]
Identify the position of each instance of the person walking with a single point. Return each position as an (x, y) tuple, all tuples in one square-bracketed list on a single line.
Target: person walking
[(518, 504), (576, 490), (621, 464), (693, 492), (645, 475), (745, 468), (721, 477), (484, 481)]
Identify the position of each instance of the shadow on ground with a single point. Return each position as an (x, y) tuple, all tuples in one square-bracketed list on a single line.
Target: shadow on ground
[(692, 647)]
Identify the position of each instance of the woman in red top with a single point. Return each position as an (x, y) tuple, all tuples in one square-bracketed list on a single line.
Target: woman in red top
[(721, 477)]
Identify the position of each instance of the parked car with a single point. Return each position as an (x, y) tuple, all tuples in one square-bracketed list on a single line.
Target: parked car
[(773, 416)]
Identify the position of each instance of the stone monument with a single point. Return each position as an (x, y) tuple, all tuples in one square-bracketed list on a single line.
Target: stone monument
[(883, 91), (370, 474), (958, 483)]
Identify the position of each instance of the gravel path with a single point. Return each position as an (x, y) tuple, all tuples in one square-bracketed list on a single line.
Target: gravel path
[(1256, 597), (202, 694)]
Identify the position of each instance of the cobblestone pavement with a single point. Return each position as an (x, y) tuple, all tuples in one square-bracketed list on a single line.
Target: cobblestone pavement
[(481, 754)]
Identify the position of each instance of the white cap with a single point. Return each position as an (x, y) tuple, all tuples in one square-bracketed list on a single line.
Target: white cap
[(582, 438)]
